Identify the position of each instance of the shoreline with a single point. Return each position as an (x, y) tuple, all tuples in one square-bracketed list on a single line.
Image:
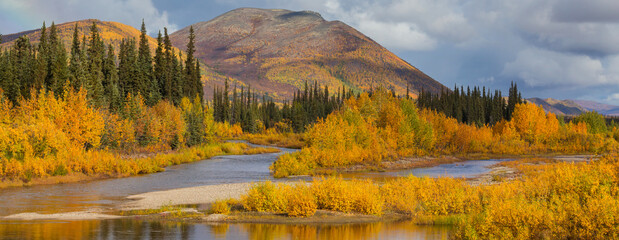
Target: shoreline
[(207, 194)]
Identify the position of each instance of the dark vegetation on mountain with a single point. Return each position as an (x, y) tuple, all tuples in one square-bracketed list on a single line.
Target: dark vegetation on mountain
[(277, 51)]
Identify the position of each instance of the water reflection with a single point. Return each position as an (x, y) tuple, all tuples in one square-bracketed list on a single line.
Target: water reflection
[(138, 229), (466, 169)]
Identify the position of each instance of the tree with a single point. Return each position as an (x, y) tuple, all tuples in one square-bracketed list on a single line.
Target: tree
[(23, 61), (96, 51), (127, 68), (190, 69), (145, 80), (161, 68), (77, 72), (42, 59), (59, 72)]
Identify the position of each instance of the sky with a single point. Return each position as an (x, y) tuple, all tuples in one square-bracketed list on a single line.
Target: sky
[(564, 49)]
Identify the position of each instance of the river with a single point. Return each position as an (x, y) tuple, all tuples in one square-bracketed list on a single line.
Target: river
[(105, 194)]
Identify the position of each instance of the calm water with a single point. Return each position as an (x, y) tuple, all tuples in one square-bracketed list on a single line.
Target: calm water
[(466, 169), (223, 169), (136, 229)]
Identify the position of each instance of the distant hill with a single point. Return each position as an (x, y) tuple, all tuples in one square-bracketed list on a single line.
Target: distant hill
[(575, 107), (602, 108), (559, 107), (277, 51)]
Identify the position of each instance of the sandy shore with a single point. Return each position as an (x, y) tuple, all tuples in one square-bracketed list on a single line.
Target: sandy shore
[(192, 195), (85, 215)]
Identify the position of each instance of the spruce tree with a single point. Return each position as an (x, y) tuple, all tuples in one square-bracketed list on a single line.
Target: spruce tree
[(110, 83), (59, 73), (145, 79), (76, 69), (160, 68), (96, 51), (170, 66), (8, 81), (42, 59), (189, 89), (23, 65), (197, 82), (127, 68)]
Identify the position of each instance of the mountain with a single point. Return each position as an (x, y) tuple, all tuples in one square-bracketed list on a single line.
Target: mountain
[(277, 51), (602, 108), (559, 107)]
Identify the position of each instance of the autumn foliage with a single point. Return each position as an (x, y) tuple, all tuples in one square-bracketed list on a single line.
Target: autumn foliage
[(554, 200), (368, 130), (48, 136)]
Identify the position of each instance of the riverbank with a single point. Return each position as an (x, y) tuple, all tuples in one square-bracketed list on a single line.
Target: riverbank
[(103, 165)]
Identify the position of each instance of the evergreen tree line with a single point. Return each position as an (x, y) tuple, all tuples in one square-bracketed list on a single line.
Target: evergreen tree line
[(477, 106), (95, 67), (245, 108)]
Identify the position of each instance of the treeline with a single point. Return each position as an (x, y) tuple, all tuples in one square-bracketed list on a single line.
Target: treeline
[(243, 107), (479, 107), (95, 67)]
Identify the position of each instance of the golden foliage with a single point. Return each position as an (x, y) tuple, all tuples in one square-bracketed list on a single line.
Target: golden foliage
[(371, 130)]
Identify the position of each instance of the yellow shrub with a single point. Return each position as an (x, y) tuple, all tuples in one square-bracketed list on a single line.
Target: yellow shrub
[(266, 197), (301, 201), (220, 207)]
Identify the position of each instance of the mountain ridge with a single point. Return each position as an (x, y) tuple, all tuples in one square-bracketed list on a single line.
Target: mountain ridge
[(277, 50)]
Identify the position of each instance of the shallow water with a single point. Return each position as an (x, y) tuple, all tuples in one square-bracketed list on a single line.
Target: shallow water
[(466, 169), (137, 229), (106, 193)]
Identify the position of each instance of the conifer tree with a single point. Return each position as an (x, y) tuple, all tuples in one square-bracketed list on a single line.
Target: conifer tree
[(197, 82), (189, 89), (127, 68), (160, 68), (96, 51), (145, 79), (59, 71), (23, 61), (42, 59), (76, 69), (170, 62), (8, 81), (110, 83)]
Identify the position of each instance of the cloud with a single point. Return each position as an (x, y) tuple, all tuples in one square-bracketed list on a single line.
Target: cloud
[(590, 28), (129, 12), (602, 11), (544, 68), (419, 25)]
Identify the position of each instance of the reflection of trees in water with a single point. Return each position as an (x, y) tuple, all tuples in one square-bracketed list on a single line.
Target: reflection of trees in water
[(140, 229)]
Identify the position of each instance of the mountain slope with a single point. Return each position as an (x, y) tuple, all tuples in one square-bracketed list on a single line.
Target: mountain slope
[(602, 108), (559, 107), (277, 51), (111, 32)]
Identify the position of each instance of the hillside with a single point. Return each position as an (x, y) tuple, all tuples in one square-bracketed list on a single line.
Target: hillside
[(277, 51), (559, 107), (602, 108), (111, 32)]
